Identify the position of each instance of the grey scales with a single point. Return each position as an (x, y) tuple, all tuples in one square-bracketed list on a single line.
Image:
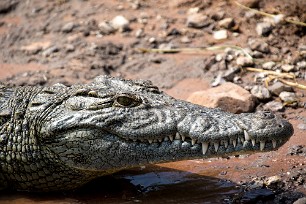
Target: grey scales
[(59, 138)]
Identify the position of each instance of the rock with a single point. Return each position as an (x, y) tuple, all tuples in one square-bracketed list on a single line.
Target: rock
[(271, 181), (257, 54), (197, 20), (259, 45), (193, 10), (70, 48), (264, 28), (120, 23), (35, 47), (301, 126), (288, 97), (166, 46), (185, 39), (269, 65), (260, 92), (68, 27), (287, 67), (7, 6), (297, 150), (301, 65), (279, 87), (302, 47), (105, 28), (274, 106), (220, 34), (217, 16), (228, 96), (219, 57), (250, 3), (139, 33), (50, 50), (244, 61), (227, 23), (300, 201)]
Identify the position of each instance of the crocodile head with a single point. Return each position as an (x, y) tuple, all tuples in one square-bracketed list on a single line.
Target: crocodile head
[(111, 124)]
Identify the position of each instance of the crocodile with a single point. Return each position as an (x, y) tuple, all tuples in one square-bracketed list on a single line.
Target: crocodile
[(61, 137)]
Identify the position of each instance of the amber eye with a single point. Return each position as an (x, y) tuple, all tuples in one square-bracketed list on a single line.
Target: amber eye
[(127, 101)]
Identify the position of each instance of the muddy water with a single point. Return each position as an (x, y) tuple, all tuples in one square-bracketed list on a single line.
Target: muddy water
[(152, 184)]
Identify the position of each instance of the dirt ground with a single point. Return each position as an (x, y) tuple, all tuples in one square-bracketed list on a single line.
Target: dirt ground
[(64, 41)]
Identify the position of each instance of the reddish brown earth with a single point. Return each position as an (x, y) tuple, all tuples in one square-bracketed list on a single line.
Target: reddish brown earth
[(29, 28)]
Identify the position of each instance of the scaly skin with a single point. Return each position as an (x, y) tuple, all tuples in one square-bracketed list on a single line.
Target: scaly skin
[(58, 138)]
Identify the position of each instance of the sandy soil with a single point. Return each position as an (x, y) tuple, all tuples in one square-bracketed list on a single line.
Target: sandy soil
[(37, 48)]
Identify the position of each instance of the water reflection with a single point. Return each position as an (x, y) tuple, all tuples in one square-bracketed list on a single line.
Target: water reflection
[(149, 185)]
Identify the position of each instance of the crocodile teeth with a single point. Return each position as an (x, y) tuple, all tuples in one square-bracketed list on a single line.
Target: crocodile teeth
[(183, 138), (166, 139), (262, 145), (193, 141), (216, 145), (177, 136), (234, 143), (239, 141), (204, 147), (160, 140), (246, 135), (253, 142), (171, 138), (242, 140), (226, 143), (274, 143), (150, 141)]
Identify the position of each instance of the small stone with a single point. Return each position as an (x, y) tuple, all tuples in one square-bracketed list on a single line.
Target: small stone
[(220, 34), (272, 180), (193, 10), (228, 96), (219, 57), (250, 3), (269, 65), (244, 61), (152, 40), (300, 201), (301, 65), (287, 67), (301, 126), (217, 16), (70, 48), (166, 46), (264, 28), (257, 54), (302, 47), (227, 23), (260, 92), (105, 28), (67, 28), (274, 106), (35, 47), (259, 45), (49, 51), (185, 39), (197, 20), (279, 87), (288, 97), (120, 23), (139, 33)]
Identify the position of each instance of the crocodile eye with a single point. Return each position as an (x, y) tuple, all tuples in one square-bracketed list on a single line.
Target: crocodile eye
[(127, 101)]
